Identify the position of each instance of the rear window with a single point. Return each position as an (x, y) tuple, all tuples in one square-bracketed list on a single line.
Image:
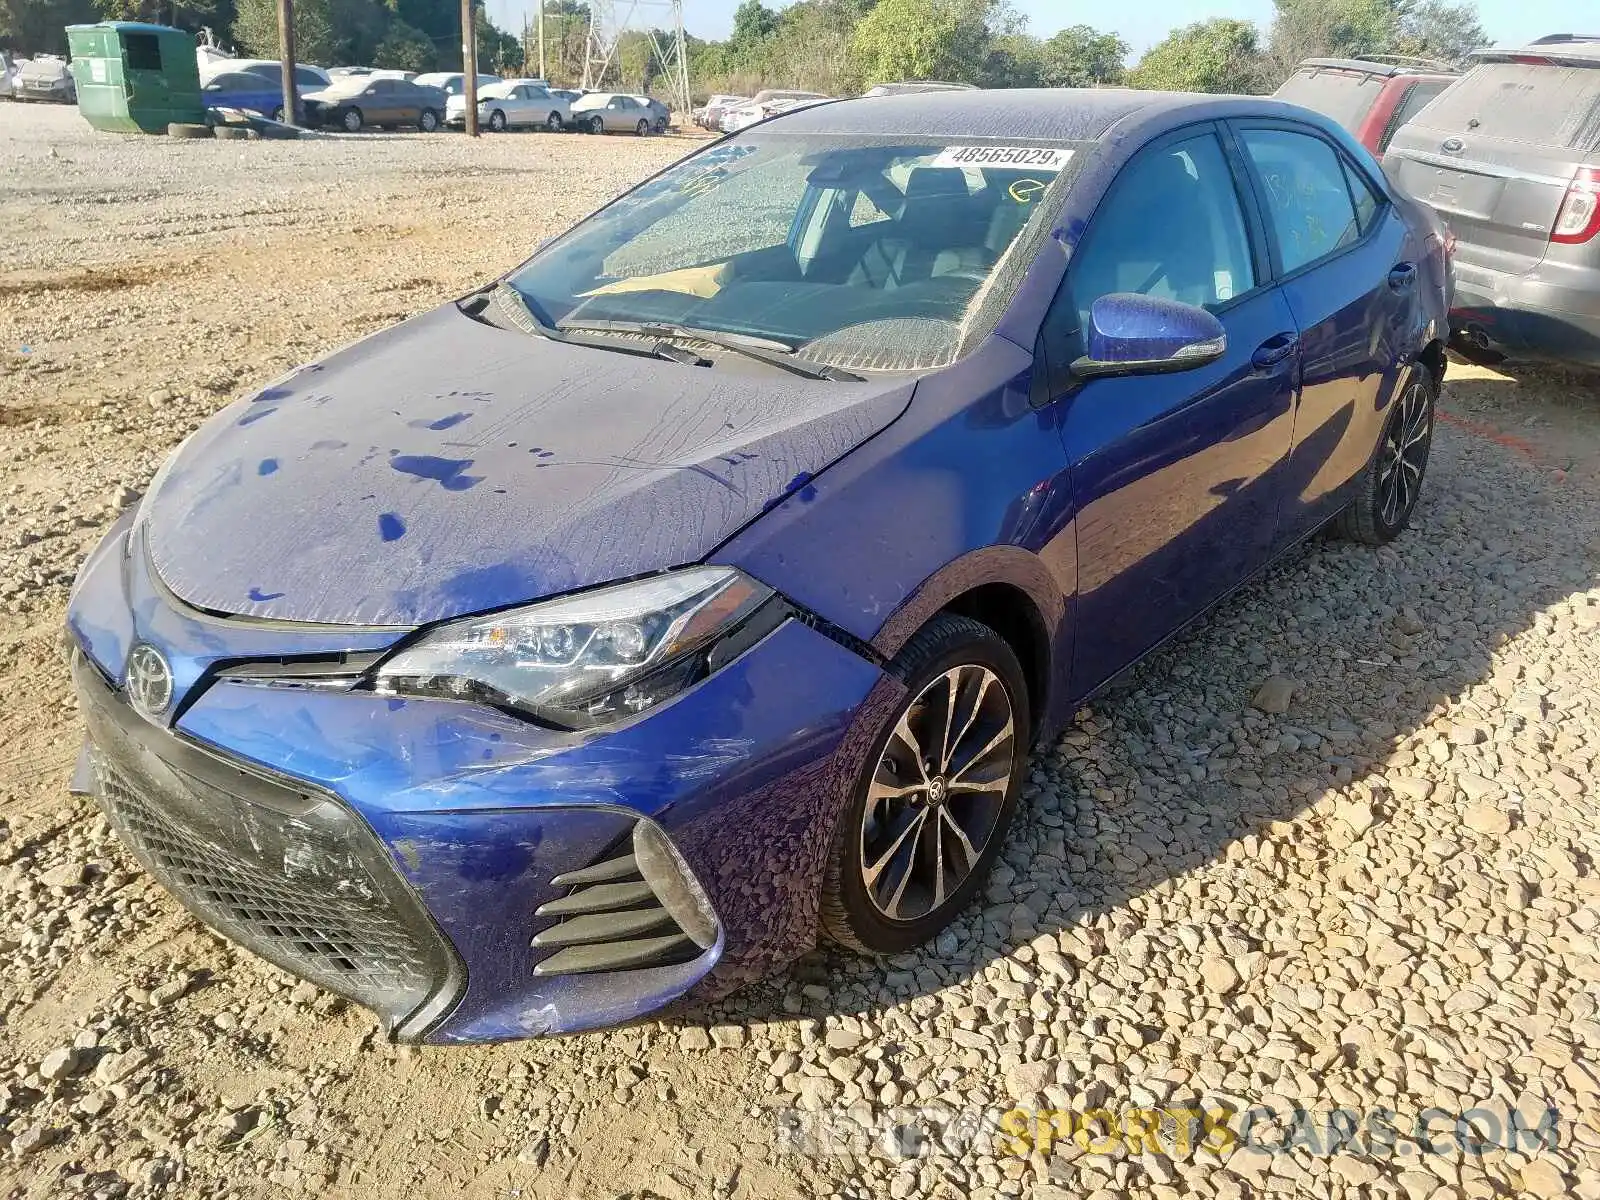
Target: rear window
[(1346, 96), (1524, 102)]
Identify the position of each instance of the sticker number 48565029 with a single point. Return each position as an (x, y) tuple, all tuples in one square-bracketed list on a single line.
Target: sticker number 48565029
[(1031, 158)]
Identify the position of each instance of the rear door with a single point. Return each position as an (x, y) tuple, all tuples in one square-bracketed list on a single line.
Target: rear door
[(1495, 153), (1350, 269)]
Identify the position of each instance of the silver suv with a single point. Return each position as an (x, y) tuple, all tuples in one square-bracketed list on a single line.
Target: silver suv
[(1509, 156)]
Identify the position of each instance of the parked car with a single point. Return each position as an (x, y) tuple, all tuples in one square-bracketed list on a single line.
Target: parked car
[(762, 106), (452, 83), (243, 90), (356, 101), (710, 116), (307, 78), (715, 570), (610, 112), (1370, 98), (913, 87), (513, 104), (8, 76), (660, 114), (1509, 157), (47, 77)]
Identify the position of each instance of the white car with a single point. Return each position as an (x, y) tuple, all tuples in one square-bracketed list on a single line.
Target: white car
[(452, 83), (512, 104), (764, 105), (8, 76), (612, 112)]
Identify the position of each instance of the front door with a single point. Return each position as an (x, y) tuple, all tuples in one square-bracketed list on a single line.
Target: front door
[(1177, 477)]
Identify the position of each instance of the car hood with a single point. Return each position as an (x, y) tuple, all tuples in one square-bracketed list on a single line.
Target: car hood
[(445, 467)]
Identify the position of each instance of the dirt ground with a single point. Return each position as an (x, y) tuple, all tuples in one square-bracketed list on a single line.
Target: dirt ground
[(145, 283)]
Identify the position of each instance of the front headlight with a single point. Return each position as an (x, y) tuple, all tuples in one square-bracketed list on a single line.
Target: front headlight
[(588, 658)]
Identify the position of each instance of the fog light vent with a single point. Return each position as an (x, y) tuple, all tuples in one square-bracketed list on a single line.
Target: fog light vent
[(641, 908)]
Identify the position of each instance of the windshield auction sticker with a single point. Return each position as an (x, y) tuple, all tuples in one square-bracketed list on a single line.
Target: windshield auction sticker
[(1031, 158)]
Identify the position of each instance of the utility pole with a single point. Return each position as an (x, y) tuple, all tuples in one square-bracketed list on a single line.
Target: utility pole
[(544, 71), (469, 65), (291, 105)]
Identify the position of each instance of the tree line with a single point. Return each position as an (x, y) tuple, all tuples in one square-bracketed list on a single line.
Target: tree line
[(831, 46)]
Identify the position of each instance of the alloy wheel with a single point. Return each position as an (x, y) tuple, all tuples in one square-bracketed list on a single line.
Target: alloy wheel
[(937, 793), (1404, 455)]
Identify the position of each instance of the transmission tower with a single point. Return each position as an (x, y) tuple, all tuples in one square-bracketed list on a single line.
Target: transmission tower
[(610, 19)]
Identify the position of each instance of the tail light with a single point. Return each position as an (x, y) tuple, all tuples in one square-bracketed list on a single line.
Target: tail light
[(1579, 217)]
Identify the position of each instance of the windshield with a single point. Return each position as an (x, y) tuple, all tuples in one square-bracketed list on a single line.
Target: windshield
[(865, 252), (1345, 96)]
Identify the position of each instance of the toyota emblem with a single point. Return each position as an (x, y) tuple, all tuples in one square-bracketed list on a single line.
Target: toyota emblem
[(149, 681)]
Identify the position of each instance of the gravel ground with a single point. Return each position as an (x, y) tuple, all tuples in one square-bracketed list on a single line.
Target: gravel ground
[(1334, 848)]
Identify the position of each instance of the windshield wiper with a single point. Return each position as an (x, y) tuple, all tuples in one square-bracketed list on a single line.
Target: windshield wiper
[(768, 350), (525, 319)]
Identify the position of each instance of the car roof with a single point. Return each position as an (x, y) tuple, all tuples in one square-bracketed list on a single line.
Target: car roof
[(1577, 49), (1046, 114)]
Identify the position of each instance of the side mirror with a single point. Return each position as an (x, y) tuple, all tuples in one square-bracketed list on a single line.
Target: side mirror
[(1131, 334)]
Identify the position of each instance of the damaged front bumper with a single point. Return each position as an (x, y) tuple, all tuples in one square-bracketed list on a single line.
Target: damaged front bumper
[(466, 874)]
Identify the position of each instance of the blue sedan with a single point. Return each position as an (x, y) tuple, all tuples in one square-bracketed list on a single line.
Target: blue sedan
[(604, 638), (256, 92)]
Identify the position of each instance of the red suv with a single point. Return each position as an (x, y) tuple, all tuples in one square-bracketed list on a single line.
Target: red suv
[(1370, 97)]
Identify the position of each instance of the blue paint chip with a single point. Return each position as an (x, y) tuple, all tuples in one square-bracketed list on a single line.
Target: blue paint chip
[(260, 597), (390, 527), (267, 466), (448, 473)]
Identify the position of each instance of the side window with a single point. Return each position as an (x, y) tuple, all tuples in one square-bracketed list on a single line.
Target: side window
[(1361, 193), (1415, 100), (1308, 201), (1170, 226)]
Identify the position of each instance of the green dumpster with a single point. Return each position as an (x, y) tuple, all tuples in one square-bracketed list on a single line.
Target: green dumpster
[(134, 77)]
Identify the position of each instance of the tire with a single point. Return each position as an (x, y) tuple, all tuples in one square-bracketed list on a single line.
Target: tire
[(277, 113), (428, 122), (642, 128), (182, 129), (351, 120), (1385, 501), (597, 124), (876, 916), (553, 123), (497, 121)]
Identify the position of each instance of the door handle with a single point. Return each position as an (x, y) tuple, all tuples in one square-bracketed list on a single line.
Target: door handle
[(1403, 277), (1274, 350)]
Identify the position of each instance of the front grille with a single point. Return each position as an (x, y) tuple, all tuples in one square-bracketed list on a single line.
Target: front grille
[(330, 937), (290, 873)]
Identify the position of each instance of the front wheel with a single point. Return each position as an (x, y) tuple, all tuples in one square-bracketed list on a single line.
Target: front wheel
[(553, 122), (1389, 487), (597, 125), (428, 122), (497, 121), (277, 113), (930, 813), (351, 120)]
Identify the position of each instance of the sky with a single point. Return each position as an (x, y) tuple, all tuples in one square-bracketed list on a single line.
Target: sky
[(1144, 22)]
